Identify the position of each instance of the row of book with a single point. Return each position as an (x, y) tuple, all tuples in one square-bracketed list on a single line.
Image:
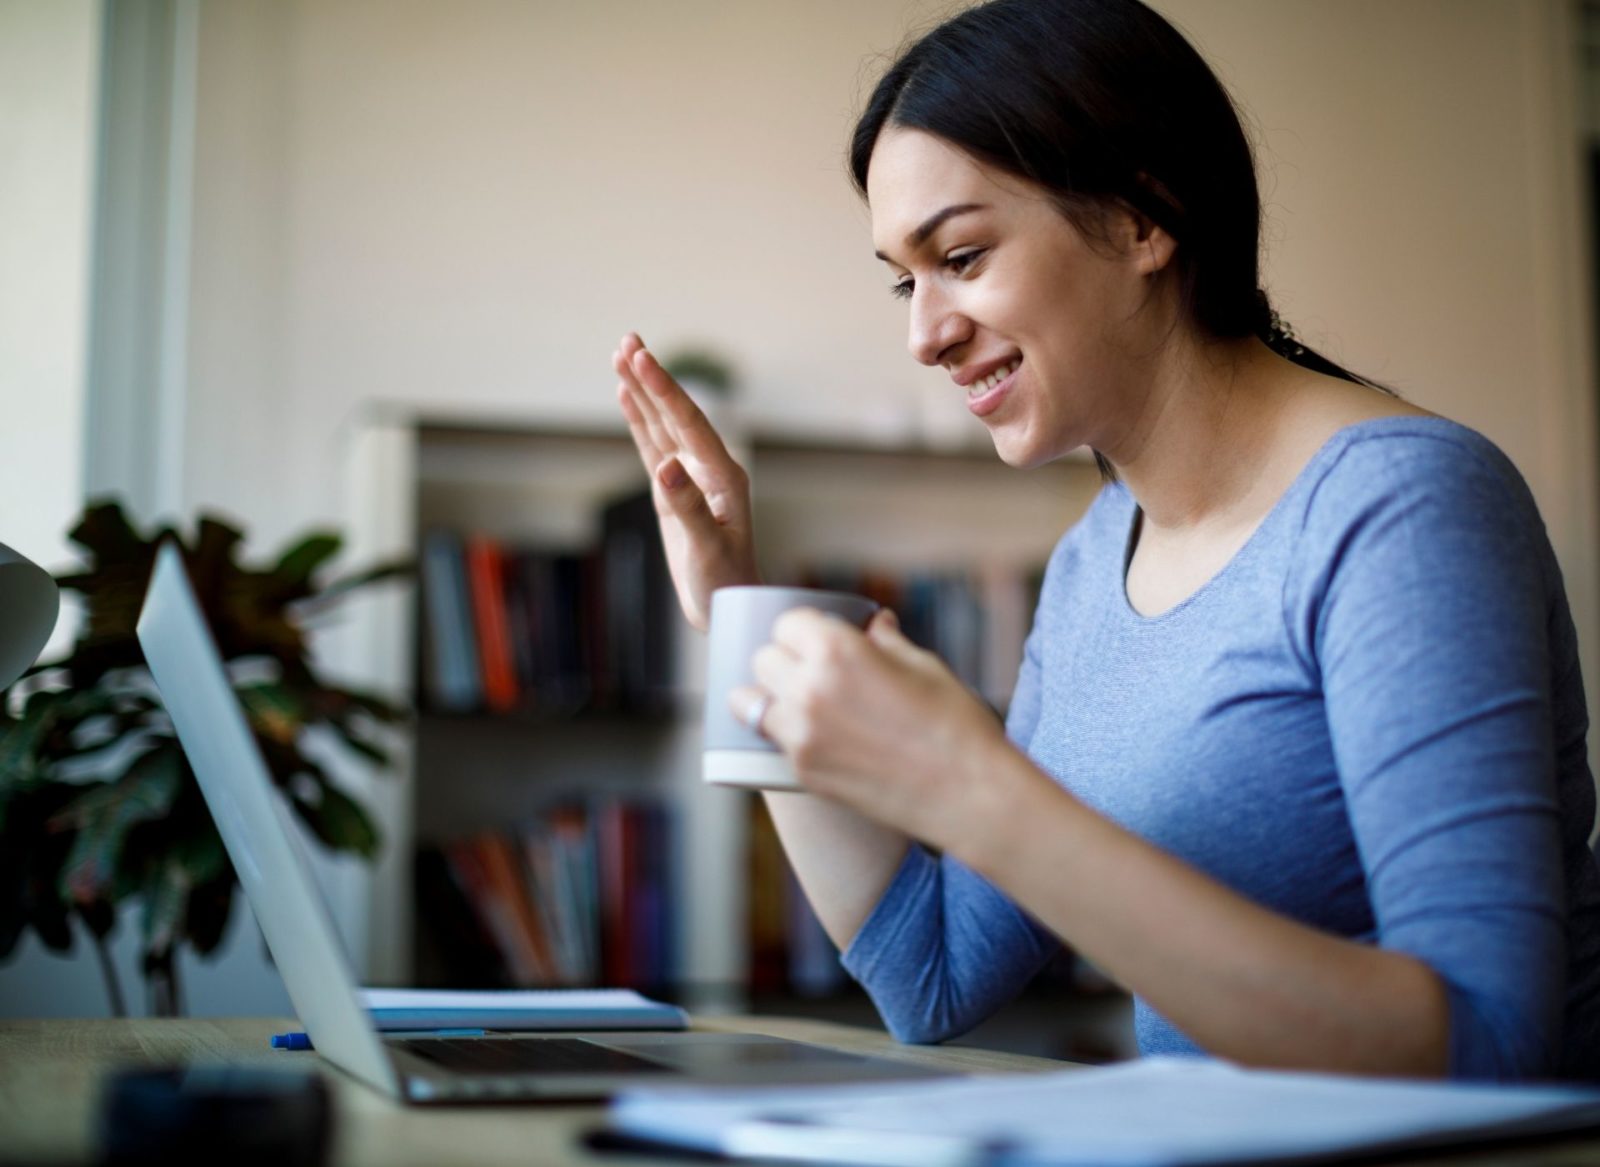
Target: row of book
[(580, 895), (975, 619), (585, 894), (511, 629), (789, 950), (555, 630)]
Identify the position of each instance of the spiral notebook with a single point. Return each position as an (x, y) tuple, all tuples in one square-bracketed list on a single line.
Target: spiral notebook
[(517, 1010)]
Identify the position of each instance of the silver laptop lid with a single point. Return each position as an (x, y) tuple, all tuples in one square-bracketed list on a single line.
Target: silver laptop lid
[(212, 728)]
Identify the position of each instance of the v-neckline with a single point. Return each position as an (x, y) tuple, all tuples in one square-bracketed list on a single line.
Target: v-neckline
[(1340, 436)]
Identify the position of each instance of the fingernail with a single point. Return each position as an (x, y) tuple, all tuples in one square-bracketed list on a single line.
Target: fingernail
[(672, 475)]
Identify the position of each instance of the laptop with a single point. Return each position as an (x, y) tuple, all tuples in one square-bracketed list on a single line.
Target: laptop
[(261, 840)]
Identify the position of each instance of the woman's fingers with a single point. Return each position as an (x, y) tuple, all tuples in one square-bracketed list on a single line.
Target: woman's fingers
[(774, 666), (644, 413), (677, 443), (649, 453), (690, 428)]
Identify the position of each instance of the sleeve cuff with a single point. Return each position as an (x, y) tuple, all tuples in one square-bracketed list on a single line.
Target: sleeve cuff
[(879, 933)]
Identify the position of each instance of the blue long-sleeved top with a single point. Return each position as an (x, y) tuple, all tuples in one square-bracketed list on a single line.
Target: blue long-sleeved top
[(1370, 720)]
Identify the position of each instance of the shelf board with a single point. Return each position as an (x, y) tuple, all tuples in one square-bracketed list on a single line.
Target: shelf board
[(785, 439), (544, 719)]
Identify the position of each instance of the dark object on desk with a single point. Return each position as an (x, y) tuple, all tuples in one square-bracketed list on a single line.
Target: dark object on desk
[(602, 1141), (241, 1116)]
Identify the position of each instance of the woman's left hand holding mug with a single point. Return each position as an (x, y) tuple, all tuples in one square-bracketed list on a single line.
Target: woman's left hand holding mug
[(872, 721)]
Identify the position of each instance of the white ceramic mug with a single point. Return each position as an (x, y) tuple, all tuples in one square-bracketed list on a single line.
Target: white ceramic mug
[(741, 623)]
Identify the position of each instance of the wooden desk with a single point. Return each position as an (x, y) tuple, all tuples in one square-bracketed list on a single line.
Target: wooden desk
[(50, 1073)]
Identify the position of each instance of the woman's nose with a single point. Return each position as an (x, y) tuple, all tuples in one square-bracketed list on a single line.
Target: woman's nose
[(935, 326)]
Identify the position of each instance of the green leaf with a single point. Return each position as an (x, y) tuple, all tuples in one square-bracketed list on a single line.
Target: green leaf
[(104, 532), (296, 566), (210, 905), (52, 920), (339, 821), (215, 541), (166, 898), (30, 858), (374, 754), (341, 587), (98, 916), (203, 856), (207, 921), (106, 812), (273, 708), (371, 704), (13, 897), (20, 740)]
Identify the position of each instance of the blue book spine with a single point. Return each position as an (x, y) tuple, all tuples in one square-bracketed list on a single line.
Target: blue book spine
[(454, 680)]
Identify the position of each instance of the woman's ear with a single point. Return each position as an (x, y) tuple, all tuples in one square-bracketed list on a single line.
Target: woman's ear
[(1153, 248), (1151, 245), (1141, 240)]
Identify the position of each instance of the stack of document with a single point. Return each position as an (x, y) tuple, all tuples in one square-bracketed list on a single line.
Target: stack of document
[(1152, 1111)]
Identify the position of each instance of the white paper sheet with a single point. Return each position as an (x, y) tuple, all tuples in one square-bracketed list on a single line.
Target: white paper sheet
[(1153, 1111)]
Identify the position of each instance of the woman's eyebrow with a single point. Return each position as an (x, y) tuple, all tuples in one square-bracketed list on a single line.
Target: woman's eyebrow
[(932, 223)]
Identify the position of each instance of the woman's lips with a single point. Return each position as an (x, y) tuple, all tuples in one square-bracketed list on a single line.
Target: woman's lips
[(989, 400)]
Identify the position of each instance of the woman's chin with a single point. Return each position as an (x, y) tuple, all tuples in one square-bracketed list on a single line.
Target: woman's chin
[(1019, 451)]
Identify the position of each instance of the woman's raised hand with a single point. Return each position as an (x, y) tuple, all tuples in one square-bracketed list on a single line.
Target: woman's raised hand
[(702, 495)]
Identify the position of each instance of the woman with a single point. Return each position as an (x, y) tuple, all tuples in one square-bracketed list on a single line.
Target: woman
[(1297, 749)]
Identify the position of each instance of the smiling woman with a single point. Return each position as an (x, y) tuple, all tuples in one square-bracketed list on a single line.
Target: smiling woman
[(1297, 750)]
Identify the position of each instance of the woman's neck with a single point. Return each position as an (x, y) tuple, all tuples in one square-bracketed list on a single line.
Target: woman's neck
[(1193, 453)]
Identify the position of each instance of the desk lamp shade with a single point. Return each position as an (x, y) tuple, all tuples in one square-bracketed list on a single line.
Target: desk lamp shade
[(29, 603)]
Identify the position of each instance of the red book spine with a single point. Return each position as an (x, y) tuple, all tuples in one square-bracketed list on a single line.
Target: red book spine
[(500, 864), (486, 571), (616, 945), (496, 912)]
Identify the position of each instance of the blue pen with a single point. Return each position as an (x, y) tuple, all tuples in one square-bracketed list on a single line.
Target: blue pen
[(291, 1041)]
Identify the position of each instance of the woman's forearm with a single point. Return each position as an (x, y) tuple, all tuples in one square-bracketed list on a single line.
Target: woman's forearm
[(843, 860), (1243, 982)]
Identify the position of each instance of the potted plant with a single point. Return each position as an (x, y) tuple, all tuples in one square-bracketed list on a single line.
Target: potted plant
[(98, 806)]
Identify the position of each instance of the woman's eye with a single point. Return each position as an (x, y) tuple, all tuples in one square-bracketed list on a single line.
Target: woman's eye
[(962, 260), (957, 263)]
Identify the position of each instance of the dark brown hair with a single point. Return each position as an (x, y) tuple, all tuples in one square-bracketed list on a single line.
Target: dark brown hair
[(1102, 103)]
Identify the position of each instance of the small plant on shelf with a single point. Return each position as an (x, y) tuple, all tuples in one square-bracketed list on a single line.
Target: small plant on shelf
[(98, 806)]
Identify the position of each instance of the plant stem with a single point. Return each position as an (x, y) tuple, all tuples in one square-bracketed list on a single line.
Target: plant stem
[(108, 970), (161, 978)]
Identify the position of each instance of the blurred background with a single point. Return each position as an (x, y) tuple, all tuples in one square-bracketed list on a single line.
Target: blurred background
[(359, 265)]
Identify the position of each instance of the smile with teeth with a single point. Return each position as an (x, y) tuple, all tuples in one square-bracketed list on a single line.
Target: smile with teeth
[(984, 384)]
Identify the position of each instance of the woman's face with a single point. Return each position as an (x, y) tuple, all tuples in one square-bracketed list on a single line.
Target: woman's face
[(1002, 287)]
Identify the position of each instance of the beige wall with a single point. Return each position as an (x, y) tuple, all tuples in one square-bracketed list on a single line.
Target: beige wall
[(48, 63), (465, 205), (48, 93)]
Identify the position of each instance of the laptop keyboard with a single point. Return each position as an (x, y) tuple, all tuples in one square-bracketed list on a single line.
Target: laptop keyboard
[(543, 1055)]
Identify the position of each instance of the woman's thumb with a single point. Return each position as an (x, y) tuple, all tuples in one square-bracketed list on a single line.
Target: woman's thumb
[(680, 492), (884, 628), (671, 474)]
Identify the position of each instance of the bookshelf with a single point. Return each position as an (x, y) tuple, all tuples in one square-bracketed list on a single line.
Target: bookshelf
[(828, 504)]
